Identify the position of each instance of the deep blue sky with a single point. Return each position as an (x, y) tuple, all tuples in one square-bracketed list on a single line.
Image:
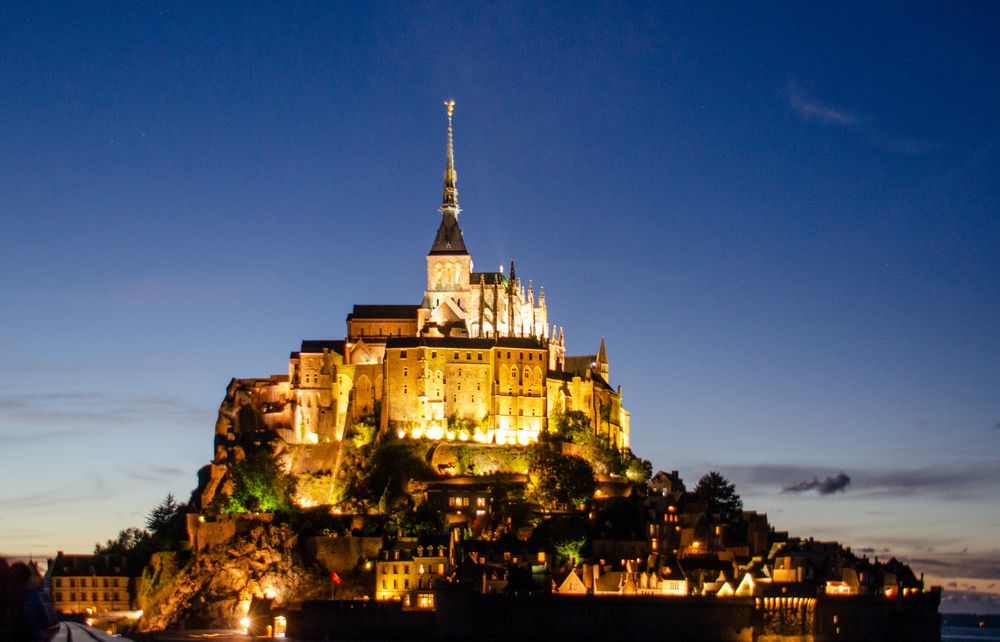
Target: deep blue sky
[(784, 219)]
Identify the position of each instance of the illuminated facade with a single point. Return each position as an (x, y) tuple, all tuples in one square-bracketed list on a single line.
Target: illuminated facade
[(476, 360), (89, 584)]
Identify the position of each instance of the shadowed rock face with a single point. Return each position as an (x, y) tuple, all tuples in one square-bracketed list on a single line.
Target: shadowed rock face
[(213, 588)]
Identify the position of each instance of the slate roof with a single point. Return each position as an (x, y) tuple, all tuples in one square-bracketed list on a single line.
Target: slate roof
[(318, 345), (488, 278), (449, 237), (81, 565), (523, 343), (384, 312)]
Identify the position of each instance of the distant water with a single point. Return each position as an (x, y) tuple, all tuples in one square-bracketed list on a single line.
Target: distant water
[(960, 633)]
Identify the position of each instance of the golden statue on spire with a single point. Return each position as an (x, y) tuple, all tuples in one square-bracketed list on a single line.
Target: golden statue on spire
[(450, 104)]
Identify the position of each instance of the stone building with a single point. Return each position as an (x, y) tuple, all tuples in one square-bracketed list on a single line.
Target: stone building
[(475, 360), (89, 584)]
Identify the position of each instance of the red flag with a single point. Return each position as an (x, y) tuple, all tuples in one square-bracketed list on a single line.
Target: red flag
[(335, 578)]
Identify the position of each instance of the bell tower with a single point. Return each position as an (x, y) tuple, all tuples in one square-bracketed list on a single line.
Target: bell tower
[(448, 298)]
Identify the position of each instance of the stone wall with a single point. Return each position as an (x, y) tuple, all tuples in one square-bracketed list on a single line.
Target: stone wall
[(342, 554), (207, 532)]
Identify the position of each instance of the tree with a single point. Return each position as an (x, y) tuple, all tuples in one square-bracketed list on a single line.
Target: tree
[(556, 478), (133, 545), (166, 521), (719, 495), (259, 485), (637, 470)]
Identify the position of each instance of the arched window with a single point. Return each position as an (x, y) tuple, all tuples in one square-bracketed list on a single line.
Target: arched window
[(513, 374), (527, 376)]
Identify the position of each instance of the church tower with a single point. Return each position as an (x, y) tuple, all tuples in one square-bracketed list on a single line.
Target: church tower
[(448, 297)]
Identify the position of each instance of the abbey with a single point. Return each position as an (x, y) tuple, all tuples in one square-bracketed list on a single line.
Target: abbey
[(476, 360)]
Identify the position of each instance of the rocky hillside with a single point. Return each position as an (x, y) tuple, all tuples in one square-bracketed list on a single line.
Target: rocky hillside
[(213, 585)]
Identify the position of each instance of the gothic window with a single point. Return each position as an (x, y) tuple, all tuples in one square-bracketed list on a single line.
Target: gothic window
[(527, 377), (513, 373)]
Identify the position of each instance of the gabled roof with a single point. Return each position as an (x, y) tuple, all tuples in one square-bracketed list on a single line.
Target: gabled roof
[(384, 312)]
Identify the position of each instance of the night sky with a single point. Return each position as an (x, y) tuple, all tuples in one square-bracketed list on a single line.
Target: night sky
[(783, 219)]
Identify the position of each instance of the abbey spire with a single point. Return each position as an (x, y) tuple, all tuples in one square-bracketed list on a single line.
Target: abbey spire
[(449, 235)]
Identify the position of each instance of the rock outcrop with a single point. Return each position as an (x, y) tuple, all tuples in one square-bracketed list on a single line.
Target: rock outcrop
[(214, 588)]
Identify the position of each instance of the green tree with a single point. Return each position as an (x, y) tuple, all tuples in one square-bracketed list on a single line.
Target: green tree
[(719, 495), (166, 520), (637, 470), (259, 485), (555, 478), (134, 545), (568, 536)]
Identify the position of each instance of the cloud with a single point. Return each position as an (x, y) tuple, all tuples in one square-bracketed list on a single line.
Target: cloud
[(146, 472), (961, 565), (90, 408), (811, 109), (953, 481), (830, 485), (75, 494)]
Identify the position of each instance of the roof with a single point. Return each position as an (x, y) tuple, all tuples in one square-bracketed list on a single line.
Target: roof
[(449, 237), (579, 364), (384, 312), (95, 565), (521, 343), (320, 345), (488, 278)]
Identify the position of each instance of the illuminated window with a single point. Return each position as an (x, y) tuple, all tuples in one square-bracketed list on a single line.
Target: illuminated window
[(395, 584), (385, 584), (406, 584)]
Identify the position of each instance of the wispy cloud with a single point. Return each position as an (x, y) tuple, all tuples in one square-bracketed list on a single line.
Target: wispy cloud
[(961, 564), (146, 472), (90, 408), (90, 489), (810, 108), (828, 486)]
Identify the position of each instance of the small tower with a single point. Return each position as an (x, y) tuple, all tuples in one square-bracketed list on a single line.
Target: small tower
[(602, 361)]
